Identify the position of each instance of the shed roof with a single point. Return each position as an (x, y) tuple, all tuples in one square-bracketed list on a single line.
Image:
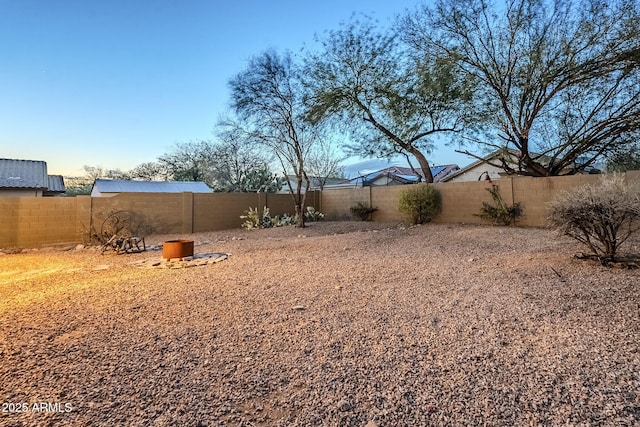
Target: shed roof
[(125, 186), (55, 184), (23, 174)]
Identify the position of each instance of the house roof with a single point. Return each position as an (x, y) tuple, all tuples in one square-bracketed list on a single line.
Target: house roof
[(125, 186), (508, 154), (23, 174), (470, 166), (405, 175)]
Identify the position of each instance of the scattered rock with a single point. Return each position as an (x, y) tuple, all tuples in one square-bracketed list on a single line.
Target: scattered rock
[(345, 405), (187, 262), (419, 337)]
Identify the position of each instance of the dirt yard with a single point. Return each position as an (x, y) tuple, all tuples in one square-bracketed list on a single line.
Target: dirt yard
[(338, 324)]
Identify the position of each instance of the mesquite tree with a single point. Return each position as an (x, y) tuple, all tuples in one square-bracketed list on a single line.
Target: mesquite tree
[(560, 79), (267, 98), (391, 101)]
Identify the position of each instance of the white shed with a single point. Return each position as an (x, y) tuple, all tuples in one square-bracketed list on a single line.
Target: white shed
[(112, 187)]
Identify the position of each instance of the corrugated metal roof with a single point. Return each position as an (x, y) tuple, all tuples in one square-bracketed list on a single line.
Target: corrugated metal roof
[(123, 186), (56, 184), (23, 174)]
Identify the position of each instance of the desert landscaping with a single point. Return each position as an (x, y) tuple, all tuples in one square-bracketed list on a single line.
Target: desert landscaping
[(338, 324)]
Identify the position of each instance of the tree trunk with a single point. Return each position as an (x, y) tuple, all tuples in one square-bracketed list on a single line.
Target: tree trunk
[(424, 165), (299, 216)]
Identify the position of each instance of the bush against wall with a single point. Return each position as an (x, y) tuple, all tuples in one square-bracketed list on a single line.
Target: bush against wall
[(420, 203), (499, 213), (602, 216), (362, 211)]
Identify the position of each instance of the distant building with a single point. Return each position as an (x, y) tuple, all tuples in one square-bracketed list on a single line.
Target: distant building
[(482, 170), (395, 175), (316, 183), (28, 178), (113, 187)]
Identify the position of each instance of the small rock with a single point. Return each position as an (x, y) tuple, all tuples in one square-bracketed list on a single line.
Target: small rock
[(345, 405), (371, 424), (79, 247), (299, 308), (101, 267)]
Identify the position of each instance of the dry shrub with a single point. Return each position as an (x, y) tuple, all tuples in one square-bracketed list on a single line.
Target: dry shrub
[(123, 224), (500, 213), (362, 211), (602, 216)]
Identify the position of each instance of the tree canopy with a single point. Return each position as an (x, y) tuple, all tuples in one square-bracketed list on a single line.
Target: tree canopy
[(393, 102), (267, 98), (559, 79)]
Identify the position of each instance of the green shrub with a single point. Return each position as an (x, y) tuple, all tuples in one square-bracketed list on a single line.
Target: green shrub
[(362, 211), (601, 216), (420, 203), (501, 213)]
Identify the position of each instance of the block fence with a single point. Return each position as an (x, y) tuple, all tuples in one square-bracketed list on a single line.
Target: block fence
[(43, 221), (37, 221), (461, 201)]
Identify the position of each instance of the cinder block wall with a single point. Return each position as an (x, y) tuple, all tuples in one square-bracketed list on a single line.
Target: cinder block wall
[(335, 204), (36, 221), (163, 210), (41, 221), (462, 201)]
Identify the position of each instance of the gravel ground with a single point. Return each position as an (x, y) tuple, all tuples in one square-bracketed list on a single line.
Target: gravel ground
[(338, 324)]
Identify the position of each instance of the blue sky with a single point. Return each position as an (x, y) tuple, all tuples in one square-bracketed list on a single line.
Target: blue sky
[(118, 83)]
